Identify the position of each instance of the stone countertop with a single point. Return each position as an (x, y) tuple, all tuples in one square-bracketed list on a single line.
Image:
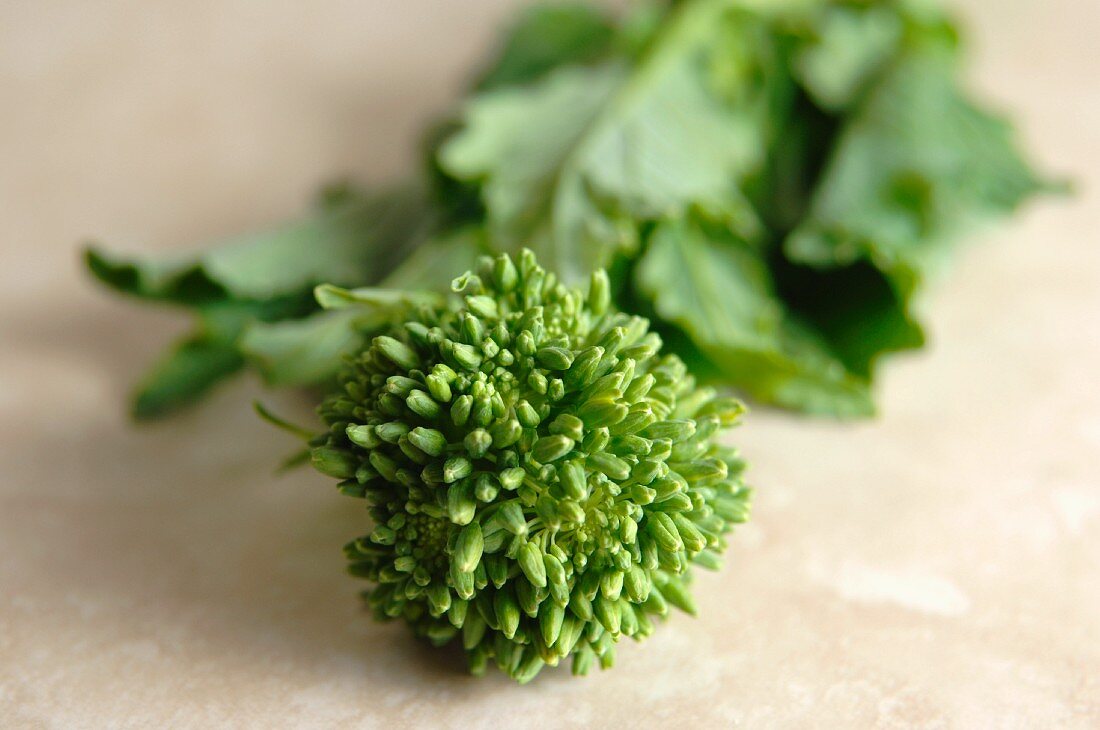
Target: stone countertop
[(936, 567)]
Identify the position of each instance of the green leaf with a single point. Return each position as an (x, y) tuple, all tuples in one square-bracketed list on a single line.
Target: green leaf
[(913, 168), (545, 37), (354, 241), (300, 351), (853, 308), (435, 264), (189, 371), (351, 244), (171, 279), (848, 45), (520, 143), (208, 355), (309, 351), (568, 165), (334, 297), (719, 292), (258, 286)]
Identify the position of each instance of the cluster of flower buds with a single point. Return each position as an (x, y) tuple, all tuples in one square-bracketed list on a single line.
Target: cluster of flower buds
[(540, 478)]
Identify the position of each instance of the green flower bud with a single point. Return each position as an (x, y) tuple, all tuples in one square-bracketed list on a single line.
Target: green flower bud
[(398, 385), (468, 547), (573, 480), (527, 415), (460, 410), (603, 412), (583, 661), (599, 292), (556, 579), (525, 343), (531, 563), (397, 352), (555, 358), (537, 382), (455, 468), (541, 479), (440, 599), (505, 433), (607, 613), (528, 598), (611, 584), (556, 390), (689, 533), (391, 433), (636, 420), (708, 559), (570, 511), (701, 471), (422, 405), (672, 430), (677, 502), (610, 465), (482, 306), (511, 517), (486, 487), (511, 478), (580, 605), (636, 582), (551, 618), (363, 436), (679, 596), (439, 388), (428, 440), (507, 611), (384, 465), (639, 388), (473, 629), (477, 442), (383, 535), (552, 448), (466, 356), (505, 276), (568, 425), (461, 504), (463, 582), (664, 531), (334, 462), (583, 370), (496, 568)]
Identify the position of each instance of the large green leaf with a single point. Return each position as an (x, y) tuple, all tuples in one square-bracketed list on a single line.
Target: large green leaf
[(853, 308), (524, 146), (847, 45), (299, 351), (570, 165), (354, 242), (200, 359), (209, 354), (257, 287), (719, 292), (914, 166), (186, 373)]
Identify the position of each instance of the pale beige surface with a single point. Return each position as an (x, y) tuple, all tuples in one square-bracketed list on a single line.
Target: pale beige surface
[(939, 567)]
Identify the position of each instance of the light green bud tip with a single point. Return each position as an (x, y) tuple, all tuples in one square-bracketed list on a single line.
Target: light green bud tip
[(541, 478)]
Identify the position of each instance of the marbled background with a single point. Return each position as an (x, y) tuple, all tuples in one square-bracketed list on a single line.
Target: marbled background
[(937, 567)]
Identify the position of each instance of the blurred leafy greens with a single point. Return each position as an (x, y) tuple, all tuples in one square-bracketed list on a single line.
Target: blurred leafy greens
[(770, 182)]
